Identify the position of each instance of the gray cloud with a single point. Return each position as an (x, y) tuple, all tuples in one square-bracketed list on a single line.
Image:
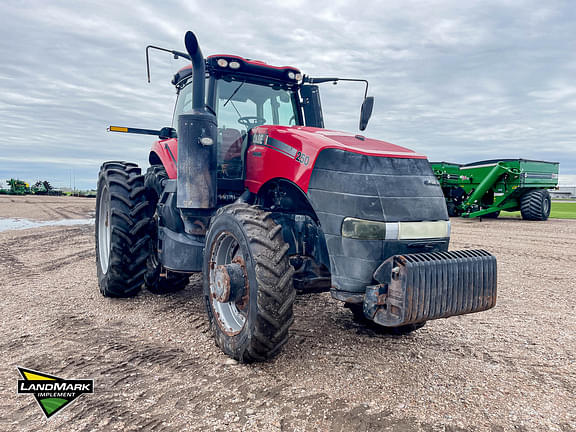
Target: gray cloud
[(455, 80)]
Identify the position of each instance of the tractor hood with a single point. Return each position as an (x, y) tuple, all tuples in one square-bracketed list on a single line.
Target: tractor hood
[(291, 152), (315, 140)]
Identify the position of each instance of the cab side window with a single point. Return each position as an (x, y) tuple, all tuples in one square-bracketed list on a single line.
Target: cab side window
[(184, 103)]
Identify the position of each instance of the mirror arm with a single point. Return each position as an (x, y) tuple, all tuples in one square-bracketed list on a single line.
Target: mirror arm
[(334, 80), (174, 52)]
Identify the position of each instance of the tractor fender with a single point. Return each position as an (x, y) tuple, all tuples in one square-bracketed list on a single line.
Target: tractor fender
[(293, 210), (165, 152)]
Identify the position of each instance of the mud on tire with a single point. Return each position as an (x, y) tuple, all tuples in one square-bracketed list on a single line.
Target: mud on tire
[(122, 229), (268, 292), (156, 280), (535, 205)]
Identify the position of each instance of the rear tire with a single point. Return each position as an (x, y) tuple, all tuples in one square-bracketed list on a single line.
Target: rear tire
[(122, 229), (535, 205), (251, 324), (358, 314), (157, 279)]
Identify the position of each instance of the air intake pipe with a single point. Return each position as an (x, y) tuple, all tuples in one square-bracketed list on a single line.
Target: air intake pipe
[(197, 132)]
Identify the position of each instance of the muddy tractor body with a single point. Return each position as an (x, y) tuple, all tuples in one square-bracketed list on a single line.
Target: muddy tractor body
[(485, 188), (250, 189)]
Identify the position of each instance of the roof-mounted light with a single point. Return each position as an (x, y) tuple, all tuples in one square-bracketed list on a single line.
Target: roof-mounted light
[(234, 65), (222, 62)]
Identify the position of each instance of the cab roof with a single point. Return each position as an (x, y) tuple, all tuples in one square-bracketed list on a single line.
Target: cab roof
[(242, 68)]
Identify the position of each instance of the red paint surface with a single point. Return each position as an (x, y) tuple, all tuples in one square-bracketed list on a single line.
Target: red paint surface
[(160, 148)]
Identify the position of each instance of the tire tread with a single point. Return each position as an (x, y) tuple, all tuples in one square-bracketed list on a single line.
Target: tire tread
[(532, 205), (128, 255), (276, 294)]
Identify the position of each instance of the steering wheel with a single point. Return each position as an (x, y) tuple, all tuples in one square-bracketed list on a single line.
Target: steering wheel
[(251, 121)]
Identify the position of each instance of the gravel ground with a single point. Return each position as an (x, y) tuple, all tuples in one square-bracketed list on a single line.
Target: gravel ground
[(156, 367)]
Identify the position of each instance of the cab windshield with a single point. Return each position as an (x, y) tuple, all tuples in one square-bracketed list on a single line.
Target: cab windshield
[(242, 105)]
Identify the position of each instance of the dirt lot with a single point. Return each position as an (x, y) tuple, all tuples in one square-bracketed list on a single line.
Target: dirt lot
[(156, 367)]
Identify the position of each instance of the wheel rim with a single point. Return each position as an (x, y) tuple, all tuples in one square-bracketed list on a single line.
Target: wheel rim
[(104, 230), (231, 316), (546, 207)]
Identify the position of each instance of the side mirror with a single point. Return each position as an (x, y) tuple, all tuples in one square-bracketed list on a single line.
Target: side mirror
[(167, 133), (366, 111)]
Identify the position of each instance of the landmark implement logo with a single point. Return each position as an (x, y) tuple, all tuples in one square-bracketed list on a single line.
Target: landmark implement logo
[(51, 392)]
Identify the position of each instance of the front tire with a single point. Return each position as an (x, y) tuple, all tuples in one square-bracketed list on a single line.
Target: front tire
[(535, 205), (122, 223), (248, 286)]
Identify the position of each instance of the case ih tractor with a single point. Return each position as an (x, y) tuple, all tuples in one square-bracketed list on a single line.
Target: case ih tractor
[(252, 191)]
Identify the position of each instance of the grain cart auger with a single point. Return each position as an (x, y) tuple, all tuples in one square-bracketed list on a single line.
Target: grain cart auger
[(250, 189), (485, 188)]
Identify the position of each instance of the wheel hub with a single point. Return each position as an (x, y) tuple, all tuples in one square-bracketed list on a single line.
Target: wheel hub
[(229, 283), (229, 287)]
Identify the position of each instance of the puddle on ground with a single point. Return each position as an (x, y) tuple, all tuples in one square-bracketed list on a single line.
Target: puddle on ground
[(7, 224)]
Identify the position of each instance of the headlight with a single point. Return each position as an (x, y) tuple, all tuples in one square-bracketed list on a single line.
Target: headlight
[(373, 230), (363, 229), (423, 230)]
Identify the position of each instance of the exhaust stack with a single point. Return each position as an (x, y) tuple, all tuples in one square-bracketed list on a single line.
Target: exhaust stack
[(197, 131)]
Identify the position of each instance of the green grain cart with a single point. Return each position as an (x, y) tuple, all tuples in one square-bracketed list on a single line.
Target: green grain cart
[(488, 187)]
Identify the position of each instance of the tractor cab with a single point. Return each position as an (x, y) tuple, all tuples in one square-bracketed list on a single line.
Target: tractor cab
[(243, 94)]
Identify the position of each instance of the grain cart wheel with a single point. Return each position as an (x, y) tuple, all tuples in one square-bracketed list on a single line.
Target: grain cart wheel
[(358, 314), (452, 209), (247, 283), (157, 279), (122, 234), (535, 205)]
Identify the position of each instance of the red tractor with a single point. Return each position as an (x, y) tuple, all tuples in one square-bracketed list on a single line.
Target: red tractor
[(251, 190)]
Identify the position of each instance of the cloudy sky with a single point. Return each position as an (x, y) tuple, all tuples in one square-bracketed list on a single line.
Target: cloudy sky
[(456, 80)]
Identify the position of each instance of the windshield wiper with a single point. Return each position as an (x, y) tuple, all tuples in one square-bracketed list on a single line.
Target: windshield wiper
[(234, 93)]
